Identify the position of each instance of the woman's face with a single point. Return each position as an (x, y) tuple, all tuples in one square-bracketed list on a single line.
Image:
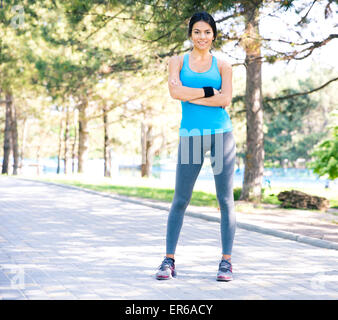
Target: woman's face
[(202, 35)]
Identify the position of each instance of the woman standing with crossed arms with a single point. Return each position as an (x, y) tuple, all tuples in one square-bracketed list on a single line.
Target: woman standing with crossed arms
[(204, 85)]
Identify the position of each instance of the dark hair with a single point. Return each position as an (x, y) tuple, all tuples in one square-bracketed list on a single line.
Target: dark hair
[(202, 16)]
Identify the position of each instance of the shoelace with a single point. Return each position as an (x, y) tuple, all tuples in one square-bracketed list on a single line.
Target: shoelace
[(225, 265), (165, 263)]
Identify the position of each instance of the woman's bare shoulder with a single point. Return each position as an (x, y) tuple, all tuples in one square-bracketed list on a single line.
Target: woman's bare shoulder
[(223, 65), (177, 60)]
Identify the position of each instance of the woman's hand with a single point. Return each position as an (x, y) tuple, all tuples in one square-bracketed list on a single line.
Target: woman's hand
[(218, 92), (175, 82)]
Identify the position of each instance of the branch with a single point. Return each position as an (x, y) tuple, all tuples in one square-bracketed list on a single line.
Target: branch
[(316, 44), (108, 19), (136, 95), (301, 93), (172, 52), (153, 40), (302, 20), (239, 98), (282, 56), (226, 18)]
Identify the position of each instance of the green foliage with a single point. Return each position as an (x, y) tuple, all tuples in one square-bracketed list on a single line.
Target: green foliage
[(169, 21), (64, 44), (326, 157), (199, 198), (286, 136), (77, 9), (237, 193), (286, 4)]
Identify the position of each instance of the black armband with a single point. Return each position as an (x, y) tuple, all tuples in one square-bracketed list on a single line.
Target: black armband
[(208, 92)]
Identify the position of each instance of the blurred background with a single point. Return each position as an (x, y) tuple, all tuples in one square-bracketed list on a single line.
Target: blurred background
[(84, 96)]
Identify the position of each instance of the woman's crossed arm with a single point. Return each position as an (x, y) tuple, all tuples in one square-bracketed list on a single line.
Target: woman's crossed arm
[(196, 95)]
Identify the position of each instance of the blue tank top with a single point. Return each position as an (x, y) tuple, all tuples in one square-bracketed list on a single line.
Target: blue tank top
[(199, 119)]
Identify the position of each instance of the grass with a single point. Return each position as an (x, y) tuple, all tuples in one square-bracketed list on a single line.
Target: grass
[(199, 198), (270, 198)]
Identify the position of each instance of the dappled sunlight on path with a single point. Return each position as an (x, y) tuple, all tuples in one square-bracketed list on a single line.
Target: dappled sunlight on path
[(70, 244)]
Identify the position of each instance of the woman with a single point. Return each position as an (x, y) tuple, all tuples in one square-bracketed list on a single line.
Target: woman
[(204, 85)]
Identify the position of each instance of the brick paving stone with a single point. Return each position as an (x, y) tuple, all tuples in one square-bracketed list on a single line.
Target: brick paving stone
[(72, 244)]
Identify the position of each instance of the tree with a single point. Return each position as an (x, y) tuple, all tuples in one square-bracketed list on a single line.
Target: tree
[(285, 123), (254, 157), (80, 56), (72, 46), (13, 76), (326, 156), (7, 138), (165, 25), (297, 113)]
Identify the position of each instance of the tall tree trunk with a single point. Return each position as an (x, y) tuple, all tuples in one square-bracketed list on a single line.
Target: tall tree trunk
[(7, 137), (15, 144), (66, 139), (147, 149), (83, 136), (106, 149), (254, 158), (60, 146), (38, 159), (74, 142), (164, 141), (281, 162), (23, 142)]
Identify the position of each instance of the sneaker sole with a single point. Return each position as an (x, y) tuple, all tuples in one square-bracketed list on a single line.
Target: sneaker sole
[(165, 277), (225, 279)]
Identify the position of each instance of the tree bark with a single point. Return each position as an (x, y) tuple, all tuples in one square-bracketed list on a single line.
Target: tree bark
[(7, 137), (254, 158), (147, 149), (15, 144), (74, 142), (38, 159), (23, 142), (66, 139), (83, 136), (106, 149), (58, 169)]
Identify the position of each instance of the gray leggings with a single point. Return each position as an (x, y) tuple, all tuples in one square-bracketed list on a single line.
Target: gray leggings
[(191, 152)]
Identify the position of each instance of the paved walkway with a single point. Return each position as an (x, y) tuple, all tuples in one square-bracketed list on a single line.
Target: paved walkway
[(63, 243)]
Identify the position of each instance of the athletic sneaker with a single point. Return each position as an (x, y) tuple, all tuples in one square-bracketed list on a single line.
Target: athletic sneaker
[(224, 271), (166, 270)]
